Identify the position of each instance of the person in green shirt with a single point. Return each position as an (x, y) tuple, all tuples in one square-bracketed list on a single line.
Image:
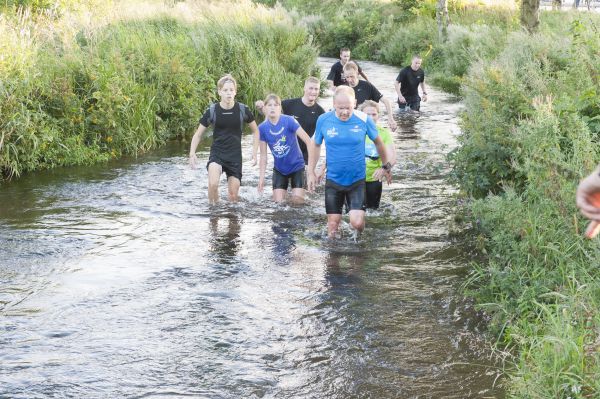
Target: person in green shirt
[(372, 159)]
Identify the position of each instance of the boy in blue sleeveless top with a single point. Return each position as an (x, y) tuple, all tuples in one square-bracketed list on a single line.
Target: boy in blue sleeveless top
[(344, 131), (281, 134)]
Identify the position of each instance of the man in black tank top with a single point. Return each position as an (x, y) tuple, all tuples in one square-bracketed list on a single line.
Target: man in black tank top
[(304, 109)]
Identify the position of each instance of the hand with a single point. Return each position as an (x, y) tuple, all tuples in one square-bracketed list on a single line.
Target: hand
[(193, 161), (401, 99), (379, 174), (261, 185), (311, 181), (388, 177), (320, 175), (424, 98), (588, 196), (392, 123)]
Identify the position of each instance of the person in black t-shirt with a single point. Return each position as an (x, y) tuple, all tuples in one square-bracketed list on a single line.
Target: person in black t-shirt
[(364, 90), (336, 74), (304, 109), (407, 85), (227, 117)]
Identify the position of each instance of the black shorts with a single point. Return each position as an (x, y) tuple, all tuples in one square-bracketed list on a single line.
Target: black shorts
[(230, 168), (336, 195), (282, 181), (414, 103), (373, 197)]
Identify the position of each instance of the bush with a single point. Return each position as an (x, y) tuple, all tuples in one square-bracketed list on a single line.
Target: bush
[(75, 93)]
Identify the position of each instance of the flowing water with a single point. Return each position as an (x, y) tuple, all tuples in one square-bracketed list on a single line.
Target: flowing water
[(119, 281)]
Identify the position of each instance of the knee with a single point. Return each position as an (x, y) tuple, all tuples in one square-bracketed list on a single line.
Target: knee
[(333, 224), (358, 223)]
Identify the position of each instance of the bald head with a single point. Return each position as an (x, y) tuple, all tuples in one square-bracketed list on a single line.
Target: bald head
[(344, 91), (344, 101)]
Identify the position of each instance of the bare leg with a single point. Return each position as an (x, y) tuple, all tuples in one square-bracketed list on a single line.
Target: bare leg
[(214, 175), (333, 224), (233, 186), (357, 220), (297, 196), (279, 194)]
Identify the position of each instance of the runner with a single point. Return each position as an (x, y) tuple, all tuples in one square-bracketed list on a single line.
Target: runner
[(374, 186), (304, 109), (344, 131), (227, 117), (407, 85), (364, 90), (336, 74), (281, 133)]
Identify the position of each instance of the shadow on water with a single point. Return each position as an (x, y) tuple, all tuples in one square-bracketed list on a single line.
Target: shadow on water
[(120, 281)]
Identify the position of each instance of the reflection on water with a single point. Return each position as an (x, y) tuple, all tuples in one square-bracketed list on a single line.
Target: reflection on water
[(120, 281), (224, 236)]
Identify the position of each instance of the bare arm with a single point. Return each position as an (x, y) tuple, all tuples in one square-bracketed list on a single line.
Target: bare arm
[(391, 154), (262, 166), (383, 155), (363, 74), (310, 145), (194, 145), (388, 106), (255, 139), (424, 91), (401, 98)]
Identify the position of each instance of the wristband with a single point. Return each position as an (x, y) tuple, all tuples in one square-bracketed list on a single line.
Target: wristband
[(387, 166)]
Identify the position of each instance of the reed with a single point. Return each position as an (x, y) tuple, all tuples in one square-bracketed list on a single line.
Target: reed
[(82, 85)]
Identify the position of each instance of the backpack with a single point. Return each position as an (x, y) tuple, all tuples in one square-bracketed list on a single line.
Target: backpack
[(212, 114)]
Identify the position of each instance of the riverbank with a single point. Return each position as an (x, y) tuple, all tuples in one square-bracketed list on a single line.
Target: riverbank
[(91, 83), (529, 133)]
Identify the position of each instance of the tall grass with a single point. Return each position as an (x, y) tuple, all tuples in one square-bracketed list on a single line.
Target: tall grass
[(93, 84), (530, 132)]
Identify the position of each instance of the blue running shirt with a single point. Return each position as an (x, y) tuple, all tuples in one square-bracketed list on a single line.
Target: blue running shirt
[(345, 145), (283, 143)]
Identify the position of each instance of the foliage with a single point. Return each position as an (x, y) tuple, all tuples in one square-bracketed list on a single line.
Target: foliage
[(530, 134), (76, 92)]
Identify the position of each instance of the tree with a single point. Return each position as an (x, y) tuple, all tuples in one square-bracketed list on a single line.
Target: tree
[(443, 19), (530, 15)]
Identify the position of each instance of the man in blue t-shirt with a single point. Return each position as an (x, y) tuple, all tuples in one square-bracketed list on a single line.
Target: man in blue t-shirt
[(281, 133), (344, 130)]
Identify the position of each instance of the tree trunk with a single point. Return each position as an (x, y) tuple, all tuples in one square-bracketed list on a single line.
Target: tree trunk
[(530, 15), (442, 18)]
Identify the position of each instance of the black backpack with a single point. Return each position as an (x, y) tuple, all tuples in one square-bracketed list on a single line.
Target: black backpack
[(212, 114)]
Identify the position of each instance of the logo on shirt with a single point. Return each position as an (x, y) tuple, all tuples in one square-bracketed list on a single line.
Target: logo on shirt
[(280, 148), (332, 132), (356, 129), (277, 133)]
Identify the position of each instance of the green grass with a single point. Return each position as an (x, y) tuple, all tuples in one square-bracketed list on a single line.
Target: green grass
[(79, 89)]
